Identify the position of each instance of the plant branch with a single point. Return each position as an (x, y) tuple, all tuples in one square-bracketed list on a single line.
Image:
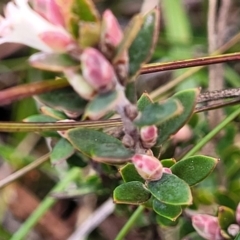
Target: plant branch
[(55, 126), (202, 61), (44, 206), (23, 170), (27, 90), (171, 84)]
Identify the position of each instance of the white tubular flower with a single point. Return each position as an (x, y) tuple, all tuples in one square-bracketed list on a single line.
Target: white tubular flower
[(25, 26)]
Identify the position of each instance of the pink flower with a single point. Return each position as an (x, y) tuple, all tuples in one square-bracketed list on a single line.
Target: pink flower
[(111, 34), (149, 167), (97, 71), (50, 10), (207, 226), (25, 26), (149, 135)]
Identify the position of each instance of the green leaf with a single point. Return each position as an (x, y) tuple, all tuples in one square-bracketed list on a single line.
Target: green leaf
[(89, 34), (162, 221), (157, 113), (53, 113), (85, 10), (78, 160), (171, 190), (170, 212), (101, 105), (129, 35), (129, 173), (130, 92), (55, 62), (39, 118), (142, 47), (65, 100), (226, 216), (194, 169), (61, 151), (131, 193), (168, 162), (187, 98), (99, 146), (144, 101), (237, 237)]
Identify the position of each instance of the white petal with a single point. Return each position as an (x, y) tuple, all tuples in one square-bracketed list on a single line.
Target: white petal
[(23, 25)]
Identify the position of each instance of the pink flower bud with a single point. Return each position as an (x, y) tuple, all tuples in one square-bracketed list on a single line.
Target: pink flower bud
[(111, 34), (149, 167), (49, 10), (167, 170), (183, 135), (233, 229), (207, 226), (238, 214), (97, 71), (149, 133), (57, 41)]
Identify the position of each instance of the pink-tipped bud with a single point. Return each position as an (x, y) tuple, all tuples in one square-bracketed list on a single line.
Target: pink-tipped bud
[(111, 34), (238, 214), (207, 226), (149, 167), (167, 170), (233, 229), (97, 70), (149, 135), (57, 41), (49, 10), (183, 135)]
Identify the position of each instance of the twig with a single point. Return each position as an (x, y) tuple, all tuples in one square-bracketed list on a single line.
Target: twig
[(23, 170), (171, 84), (93, 220)]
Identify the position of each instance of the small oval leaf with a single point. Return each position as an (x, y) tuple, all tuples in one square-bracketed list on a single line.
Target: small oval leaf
[(171, 190), (99, 146), (187, 98), (194, 169), (53, 113), (101, 105), (131, 193), (65, 100), (142, 47), (168, 162), (226, 216), (129, 173), (162, 112), (54, 62), (61, 151), (144, 101), (170, 212)]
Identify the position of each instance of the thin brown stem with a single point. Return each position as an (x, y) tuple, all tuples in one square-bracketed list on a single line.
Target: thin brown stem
[(24, 170), (202, 61), (27, 90)]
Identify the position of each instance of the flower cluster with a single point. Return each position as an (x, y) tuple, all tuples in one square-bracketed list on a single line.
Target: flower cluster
[(208, 226), (43, 25)]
